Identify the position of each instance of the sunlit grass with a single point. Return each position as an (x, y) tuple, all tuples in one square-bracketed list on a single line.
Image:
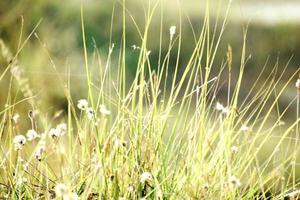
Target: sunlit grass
[(155, 137)]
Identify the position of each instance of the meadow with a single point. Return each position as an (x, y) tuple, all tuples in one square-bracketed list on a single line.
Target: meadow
[(150, 123)]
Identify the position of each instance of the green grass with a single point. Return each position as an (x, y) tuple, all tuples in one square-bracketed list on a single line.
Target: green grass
[(155, 137)]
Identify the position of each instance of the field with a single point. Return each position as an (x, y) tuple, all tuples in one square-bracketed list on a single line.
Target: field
[(155, 108)]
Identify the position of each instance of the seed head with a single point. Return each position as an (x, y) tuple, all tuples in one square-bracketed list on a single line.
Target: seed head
[(19, 141), (244, 128), (32, 134), (62, 128), (90, 113), (61, 190), (39, 152), (104, 110), (82, 104), (234, 181), (146, 176), (16, 118), (234, 149), (172, 31), (222, 109)]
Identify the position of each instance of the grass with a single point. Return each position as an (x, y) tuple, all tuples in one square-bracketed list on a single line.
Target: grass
[(155, 137)]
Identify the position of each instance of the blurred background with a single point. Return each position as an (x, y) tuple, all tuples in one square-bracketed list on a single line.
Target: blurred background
[(273, 37)]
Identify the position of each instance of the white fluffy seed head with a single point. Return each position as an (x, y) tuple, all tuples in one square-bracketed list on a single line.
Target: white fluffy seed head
[(234, 181), (172, 31), (19, 141), (90, 113), (234, 149), (39, 152), (16, 118), (82, 104), (54, 133), (222, 109), (61, 190), (146, 176), (62, 128), (32, 134), (103, 110), (244, 128)]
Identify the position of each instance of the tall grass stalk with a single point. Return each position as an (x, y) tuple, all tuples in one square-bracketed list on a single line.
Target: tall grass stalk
[(159, 136)]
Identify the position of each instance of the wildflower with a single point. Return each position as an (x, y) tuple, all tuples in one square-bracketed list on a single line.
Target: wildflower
[(146, 176), (234, 149), (172, 31), (297, 85), (82, 104), (61, 190), (32, 134), (90, 113), (19, 141), (15, 118), (104, 110), (234, 181)]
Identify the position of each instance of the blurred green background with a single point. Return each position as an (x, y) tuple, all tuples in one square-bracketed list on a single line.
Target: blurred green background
[(273, 35)]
